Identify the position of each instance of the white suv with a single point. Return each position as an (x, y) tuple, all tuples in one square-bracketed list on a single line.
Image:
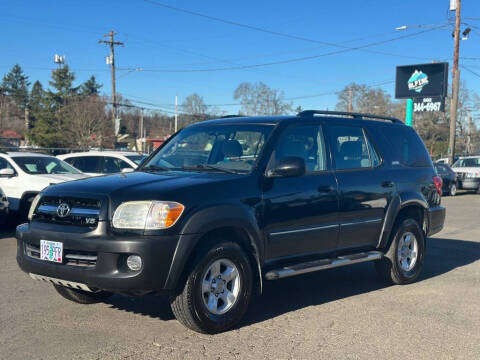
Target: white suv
[(467, 169), (24, 174), (104, 162)]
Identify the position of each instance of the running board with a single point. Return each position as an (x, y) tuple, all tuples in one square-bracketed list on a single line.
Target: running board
[(323, 264)]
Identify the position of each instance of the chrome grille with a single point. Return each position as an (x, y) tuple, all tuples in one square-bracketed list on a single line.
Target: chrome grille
[(84, 212)]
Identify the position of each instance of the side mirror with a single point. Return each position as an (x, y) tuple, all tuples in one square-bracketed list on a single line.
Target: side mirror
[(7, 172), (288, 167), (127, 170)]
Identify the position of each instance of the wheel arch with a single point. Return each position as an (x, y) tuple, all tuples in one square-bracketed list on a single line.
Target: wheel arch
[(403, 206), (231, 222)]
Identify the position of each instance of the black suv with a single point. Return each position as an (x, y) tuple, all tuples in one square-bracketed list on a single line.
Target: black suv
[(227, 204)]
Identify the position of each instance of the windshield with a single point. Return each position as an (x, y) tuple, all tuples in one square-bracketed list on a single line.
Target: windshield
[(137, 159), (40, 165), (469, 162), (228, 148)]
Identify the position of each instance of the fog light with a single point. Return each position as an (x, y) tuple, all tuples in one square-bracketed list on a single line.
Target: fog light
[(134, 262)]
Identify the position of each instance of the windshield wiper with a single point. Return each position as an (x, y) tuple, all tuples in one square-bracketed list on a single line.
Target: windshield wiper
[(156, 168), (209, 167)]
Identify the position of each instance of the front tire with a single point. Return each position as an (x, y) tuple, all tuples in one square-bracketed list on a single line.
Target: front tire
[(404, 259), (217, 291), (82, 297)]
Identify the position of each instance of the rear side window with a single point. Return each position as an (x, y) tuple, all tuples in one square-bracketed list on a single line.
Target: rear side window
[(88, 164), (113, 165), (351, 149), (406, 147)]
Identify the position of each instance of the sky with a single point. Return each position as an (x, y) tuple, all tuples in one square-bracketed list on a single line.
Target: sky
[(307, 49)]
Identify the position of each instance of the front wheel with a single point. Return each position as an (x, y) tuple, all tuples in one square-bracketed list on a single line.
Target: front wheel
[(82, 297), (217, 290), (403, 261)]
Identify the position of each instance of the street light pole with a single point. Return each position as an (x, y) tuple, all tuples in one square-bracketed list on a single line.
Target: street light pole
[(455, 84)]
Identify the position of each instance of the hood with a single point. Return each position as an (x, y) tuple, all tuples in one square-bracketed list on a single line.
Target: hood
[(59, 178), (138, 184)]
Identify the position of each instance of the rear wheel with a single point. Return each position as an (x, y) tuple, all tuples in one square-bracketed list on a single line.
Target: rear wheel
[(82, 297), (403, 261), (217, 291), (453, 189)]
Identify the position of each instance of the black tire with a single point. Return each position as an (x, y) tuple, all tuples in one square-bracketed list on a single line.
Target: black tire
[(82, 297), (188, 304), (389, 267)]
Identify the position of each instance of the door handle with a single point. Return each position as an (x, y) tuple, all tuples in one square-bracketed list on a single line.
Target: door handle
[(326, 189), (388, 184)]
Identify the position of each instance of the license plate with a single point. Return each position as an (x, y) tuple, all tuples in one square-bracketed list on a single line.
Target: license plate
[(51, 251)]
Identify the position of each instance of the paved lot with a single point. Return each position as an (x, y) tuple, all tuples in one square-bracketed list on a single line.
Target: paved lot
[(344, 313)]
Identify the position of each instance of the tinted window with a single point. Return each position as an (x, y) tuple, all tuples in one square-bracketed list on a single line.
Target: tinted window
[(4, 164), (350, 149), (113, 165), (306, 142), (441, 168), (88, 164), (406, 147), (137, 159)]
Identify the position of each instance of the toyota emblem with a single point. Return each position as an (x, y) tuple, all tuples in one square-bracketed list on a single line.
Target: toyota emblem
[(63, 210)]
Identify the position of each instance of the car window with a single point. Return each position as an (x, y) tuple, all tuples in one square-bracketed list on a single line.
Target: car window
[(137, 159), (4, 164), (350, 149), (113, 165), (467, 162), (406, 147), (304, 141), (230, 148), (36, 165), (88, 164), (441, 168)]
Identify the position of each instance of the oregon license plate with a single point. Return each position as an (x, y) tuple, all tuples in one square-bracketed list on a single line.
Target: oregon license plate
[(51, 251)]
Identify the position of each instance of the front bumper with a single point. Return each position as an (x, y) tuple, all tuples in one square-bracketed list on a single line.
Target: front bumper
[(436, 219), (110, 272), (469, 183)]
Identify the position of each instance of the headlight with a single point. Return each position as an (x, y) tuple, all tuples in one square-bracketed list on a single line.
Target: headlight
[(33, 206), (147, 215)]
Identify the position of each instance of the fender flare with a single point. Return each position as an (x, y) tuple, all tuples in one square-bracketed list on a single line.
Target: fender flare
[(399, 202), (209, 219)]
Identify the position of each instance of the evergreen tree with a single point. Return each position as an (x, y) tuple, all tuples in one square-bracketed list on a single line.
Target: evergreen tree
[(15, 85), (62, 82), (90, 87), (36, 103)]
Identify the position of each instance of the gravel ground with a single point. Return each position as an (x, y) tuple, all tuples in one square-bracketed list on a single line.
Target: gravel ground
[(345, 313)]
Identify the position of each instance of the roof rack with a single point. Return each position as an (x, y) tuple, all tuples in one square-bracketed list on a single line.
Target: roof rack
[(359, 116)]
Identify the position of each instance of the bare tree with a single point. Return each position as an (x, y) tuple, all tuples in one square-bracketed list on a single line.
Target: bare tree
[(259, 99), (87, 123)]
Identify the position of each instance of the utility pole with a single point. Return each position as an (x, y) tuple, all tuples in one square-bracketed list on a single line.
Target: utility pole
[(111, 62), (455, 82), (176, 112), (350, 99)]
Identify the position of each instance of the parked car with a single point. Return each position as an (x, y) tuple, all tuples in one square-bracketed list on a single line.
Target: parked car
[(467, 169), (227, 204), (95, 163), (4, 209), (23, 175), (445, 160), (449, 178)]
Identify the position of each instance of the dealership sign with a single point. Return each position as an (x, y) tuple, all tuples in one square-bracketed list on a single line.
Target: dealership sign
[(421, 81), (429, 104)]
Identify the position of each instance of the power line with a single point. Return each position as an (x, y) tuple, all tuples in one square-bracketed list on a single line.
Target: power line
[(470, 70), (297, 59), (259, 29)]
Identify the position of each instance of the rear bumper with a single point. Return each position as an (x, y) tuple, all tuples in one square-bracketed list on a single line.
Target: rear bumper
[(469, 184), (110, 271), (436, 219)]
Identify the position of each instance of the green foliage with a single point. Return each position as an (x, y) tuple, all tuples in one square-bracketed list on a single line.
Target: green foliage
[(90, 87), (15, 84)]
